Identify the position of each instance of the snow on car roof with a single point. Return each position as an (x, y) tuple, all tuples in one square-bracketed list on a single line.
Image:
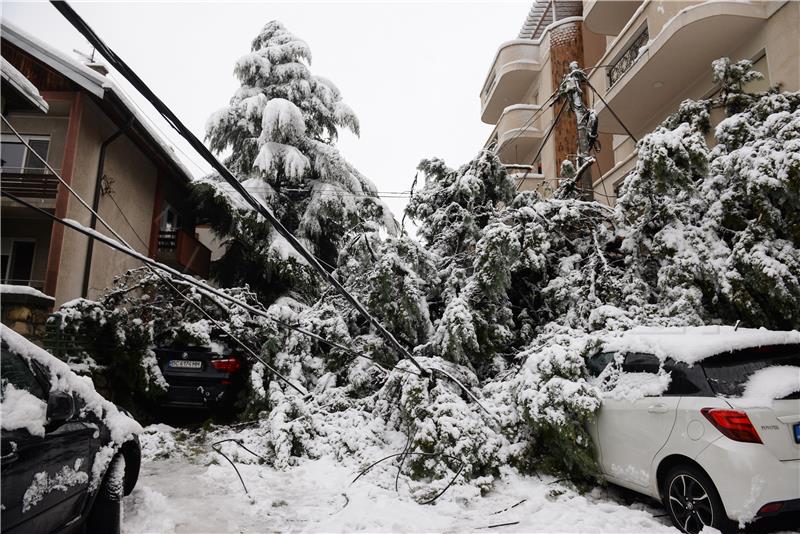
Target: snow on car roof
[(62, 378), (691, 344)]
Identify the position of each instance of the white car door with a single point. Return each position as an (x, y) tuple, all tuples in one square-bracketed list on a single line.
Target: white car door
[(630, 431)]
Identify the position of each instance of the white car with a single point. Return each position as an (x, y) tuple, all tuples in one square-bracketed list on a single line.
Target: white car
[(705, 419)]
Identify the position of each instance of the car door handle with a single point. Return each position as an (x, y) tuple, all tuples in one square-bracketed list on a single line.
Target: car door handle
[(658, 408)]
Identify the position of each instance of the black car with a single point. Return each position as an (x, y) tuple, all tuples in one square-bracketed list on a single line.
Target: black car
[(200, 377), (61, 469)]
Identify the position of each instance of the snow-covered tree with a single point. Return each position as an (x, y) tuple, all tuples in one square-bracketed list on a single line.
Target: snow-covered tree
[(714, 231), (280, 129), (504, 296), (114, 338)]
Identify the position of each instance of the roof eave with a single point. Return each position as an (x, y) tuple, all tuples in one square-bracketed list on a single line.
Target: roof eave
[(82, 76)]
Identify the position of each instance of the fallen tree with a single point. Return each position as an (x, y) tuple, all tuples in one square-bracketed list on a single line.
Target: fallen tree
[(502, 298)]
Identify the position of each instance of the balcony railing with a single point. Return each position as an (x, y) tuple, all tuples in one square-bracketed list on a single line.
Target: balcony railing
[(515, 68), (628, 58), (183, 251), (29, 183)]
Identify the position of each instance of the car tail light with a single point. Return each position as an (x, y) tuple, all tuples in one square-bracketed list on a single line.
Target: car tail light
[(734, 424), (770, 508), (227, 365)]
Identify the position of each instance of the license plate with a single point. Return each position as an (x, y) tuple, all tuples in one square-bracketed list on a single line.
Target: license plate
[(797, 433), (186, 364)]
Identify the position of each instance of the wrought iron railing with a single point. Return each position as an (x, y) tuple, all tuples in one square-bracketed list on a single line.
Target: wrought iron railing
[(184, 251), (624, 62), (167, 240)]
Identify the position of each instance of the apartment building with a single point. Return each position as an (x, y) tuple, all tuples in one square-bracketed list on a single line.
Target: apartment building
[(645, 57), (87, 129)]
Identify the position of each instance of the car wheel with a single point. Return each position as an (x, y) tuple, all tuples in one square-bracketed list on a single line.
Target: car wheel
[(692, 501), (106, 514)]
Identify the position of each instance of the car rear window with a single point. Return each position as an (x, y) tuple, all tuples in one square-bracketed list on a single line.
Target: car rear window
[(728, 373)]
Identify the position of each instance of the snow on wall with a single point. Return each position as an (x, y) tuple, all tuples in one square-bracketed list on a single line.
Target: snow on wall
[(11, 289)]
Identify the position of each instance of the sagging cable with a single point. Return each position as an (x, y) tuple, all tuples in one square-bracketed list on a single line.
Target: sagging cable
[(128, 73)]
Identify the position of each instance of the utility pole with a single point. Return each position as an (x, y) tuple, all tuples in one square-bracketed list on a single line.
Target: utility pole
[(586, 122), (585, 118)]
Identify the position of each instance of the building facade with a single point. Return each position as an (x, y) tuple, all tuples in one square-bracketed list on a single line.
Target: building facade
[(103, 146), (643, 57)]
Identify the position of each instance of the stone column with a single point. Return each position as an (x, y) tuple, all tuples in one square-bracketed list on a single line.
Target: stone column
[(25, 311)]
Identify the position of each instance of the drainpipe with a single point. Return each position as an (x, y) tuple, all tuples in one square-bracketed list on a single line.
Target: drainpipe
[(87, 267)]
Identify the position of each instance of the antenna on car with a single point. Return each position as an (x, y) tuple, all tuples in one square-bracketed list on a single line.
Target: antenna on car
[(736, 326)]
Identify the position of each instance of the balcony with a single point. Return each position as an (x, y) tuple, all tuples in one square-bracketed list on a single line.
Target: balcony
[(514, 71), (531, 179), (184, 252), (29, 183), (517, 136), (608, 17), (665, 51)]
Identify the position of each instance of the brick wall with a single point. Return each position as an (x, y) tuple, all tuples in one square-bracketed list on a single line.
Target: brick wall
[(566, 46)]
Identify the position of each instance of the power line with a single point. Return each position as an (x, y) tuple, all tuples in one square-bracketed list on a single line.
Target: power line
[(223, 171), (208, 290), (175, 289), (544, 107), (603, 100), (157, 127), (541, 146), (132, 252)]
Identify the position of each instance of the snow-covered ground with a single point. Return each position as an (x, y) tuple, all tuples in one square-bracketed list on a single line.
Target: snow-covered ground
[(186, 487)]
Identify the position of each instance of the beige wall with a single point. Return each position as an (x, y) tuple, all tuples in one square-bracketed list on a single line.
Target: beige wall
[(93, 128), (133, 179), (775, 47), (134, 187), (53, 124)]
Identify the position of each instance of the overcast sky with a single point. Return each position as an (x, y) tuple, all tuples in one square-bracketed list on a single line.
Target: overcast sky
[(412, 71)]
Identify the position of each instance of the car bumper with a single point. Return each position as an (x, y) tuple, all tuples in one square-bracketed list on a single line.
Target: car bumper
[(206, 396), (748, 476)]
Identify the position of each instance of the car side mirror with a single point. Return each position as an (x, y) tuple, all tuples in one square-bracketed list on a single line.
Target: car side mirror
[(60, 407)]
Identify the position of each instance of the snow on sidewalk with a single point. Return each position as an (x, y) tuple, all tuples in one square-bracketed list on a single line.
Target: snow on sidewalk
[(189, 493)]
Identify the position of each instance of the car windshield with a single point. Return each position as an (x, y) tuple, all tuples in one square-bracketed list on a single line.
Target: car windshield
[(728, 373)]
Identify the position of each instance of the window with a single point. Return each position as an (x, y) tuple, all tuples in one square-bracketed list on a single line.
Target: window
[(17, 261), (686, 380), (597, 363), (728, 373), (170, 219), (16, 371), (640, 363), (16, 158)]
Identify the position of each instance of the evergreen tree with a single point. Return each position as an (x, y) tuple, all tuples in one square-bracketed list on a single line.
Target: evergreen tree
[(504, 297), (714, 233), (280, 128)]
